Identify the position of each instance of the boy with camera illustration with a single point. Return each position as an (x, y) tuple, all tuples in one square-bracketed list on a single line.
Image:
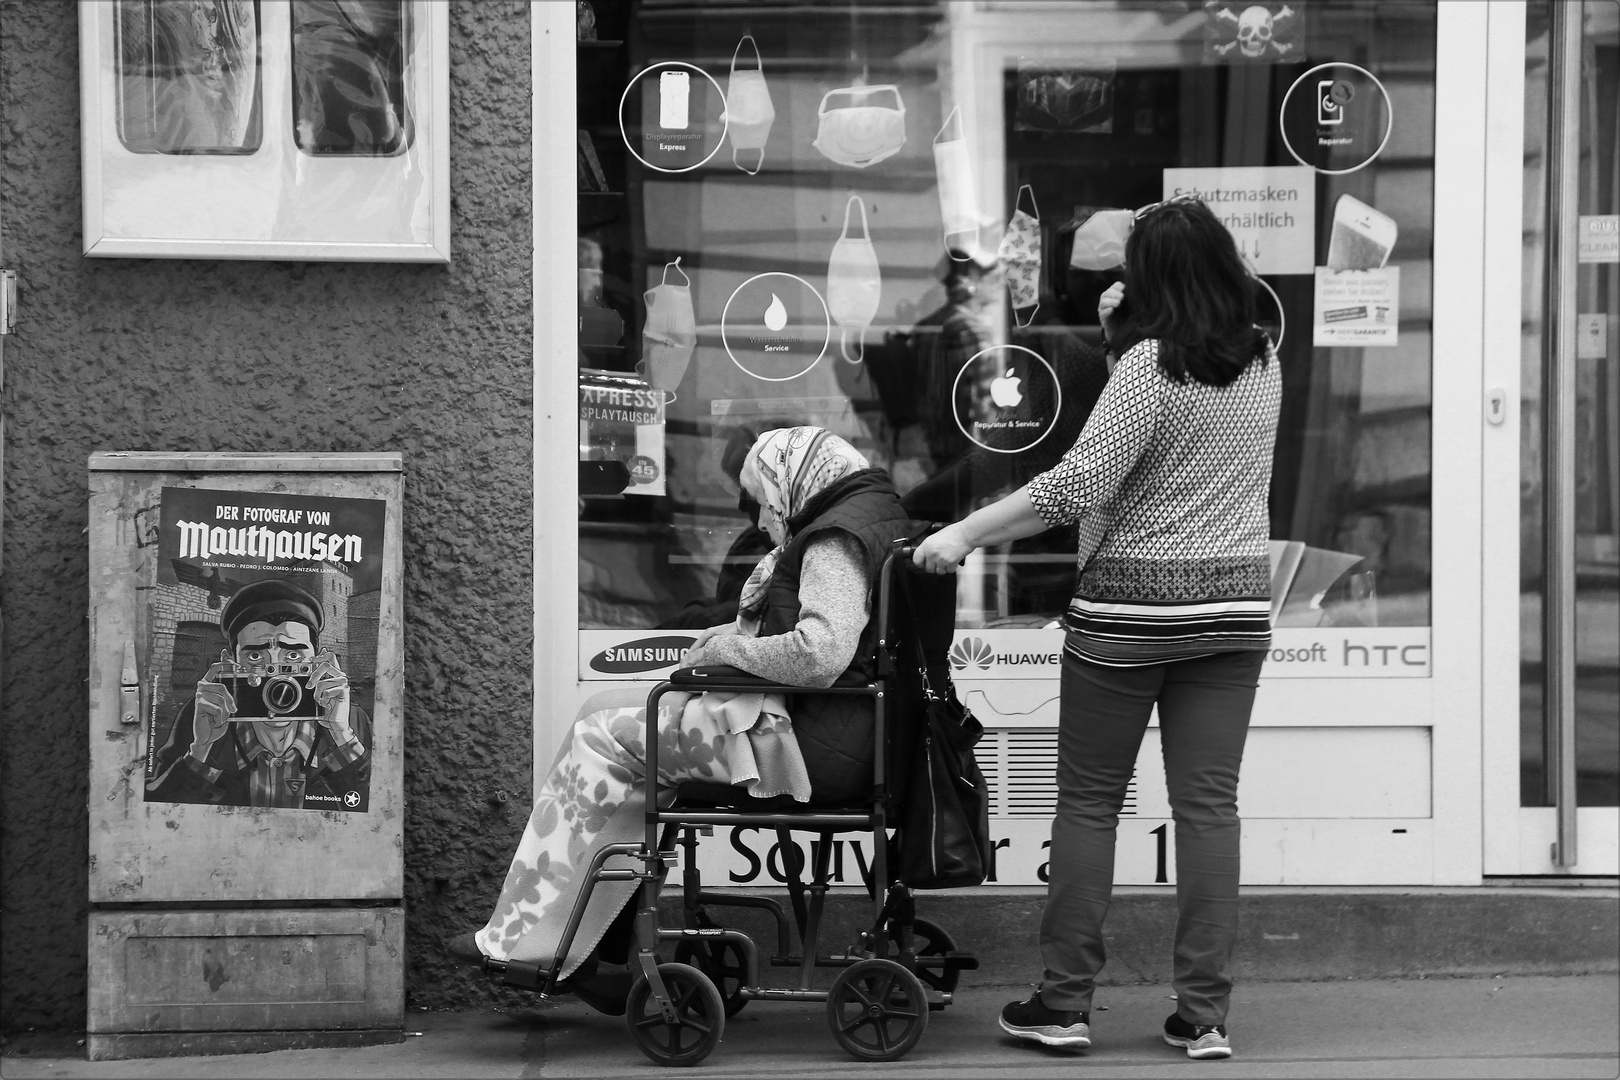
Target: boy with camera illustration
[(271, 724)]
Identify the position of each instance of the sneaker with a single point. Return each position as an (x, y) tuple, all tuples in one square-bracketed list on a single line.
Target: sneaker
[(1032, 1020), (1201, 1040)]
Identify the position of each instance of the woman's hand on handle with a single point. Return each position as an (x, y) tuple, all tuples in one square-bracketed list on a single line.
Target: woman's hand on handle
[(1011, 518), (942, 552)]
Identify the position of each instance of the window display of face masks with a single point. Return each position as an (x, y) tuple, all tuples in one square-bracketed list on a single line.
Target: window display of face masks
[(749, 109), (998, 228), (1020, 257), (958, 194), (860, 133), (1099, 242), (670, 335), (854, 283)]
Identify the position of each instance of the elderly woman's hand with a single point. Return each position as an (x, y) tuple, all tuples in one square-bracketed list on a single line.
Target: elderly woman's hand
[(693, 656), (942, 552)]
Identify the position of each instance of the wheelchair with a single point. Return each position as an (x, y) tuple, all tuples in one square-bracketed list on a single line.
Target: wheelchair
[(893, 974)]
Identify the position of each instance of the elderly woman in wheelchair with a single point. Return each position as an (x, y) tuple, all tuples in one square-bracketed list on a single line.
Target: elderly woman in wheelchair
[(804, 620)]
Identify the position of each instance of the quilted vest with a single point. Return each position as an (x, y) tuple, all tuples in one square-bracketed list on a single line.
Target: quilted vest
[(835, 731)]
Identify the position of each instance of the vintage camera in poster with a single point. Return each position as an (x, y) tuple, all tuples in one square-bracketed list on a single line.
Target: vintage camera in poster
[(262, 648), (265, 690)]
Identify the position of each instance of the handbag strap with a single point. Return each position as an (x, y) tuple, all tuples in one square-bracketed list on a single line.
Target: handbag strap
[(915, 636)]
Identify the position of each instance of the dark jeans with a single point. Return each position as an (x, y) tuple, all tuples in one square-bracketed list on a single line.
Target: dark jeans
[(1204, 707)]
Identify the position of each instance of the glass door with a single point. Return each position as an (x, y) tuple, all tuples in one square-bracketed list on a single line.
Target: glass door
[(1556, 813), (888, 220)]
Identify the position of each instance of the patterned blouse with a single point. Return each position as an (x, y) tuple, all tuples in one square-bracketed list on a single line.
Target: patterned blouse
[(1168, 482)]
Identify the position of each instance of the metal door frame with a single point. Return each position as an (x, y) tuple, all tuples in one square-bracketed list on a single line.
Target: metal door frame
[(1564, 839)]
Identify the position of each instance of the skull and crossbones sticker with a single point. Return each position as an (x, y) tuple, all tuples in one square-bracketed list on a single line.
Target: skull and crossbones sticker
[(1258, 31)]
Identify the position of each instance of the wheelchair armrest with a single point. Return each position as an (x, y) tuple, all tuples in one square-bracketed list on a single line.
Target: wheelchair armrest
[(732, 678), (715, 673)]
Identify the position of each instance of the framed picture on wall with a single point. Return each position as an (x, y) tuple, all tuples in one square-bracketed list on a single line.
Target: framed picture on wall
[(266, 129)]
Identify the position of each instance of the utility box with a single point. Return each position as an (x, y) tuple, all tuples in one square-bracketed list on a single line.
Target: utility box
[(246, 753)]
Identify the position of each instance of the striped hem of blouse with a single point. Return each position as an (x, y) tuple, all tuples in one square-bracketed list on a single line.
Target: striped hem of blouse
[(1125, 634)]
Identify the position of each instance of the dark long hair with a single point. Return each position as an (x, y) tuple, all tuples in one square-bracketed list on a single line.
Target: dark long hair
[(1187, 286)]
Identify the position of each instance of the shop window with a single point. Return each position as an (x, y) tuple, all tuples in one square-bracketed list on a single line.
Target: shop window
[(189, 76), (732, 158)]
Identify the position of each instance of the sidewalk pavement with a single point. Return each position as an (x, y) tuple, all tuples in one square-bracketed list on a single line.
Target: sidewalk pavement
[(1507, 1026)]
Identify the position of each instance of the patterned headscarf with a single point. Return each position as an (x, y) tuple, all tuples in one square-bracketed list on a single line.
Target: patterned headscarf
[(786, 469)]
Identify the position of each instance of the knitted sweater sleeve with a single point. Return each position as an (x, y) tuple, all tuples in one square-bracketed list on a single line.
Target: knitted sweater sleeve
[(833, 609), (1114, 439)]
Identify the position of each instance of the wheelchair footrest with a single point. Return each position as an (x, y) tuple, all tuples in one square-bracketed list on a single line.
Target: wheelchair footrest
[(527, 974)]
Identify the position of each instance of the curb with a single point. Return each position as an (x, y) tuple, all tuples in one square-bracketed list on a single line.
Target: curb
[(1285, 934)]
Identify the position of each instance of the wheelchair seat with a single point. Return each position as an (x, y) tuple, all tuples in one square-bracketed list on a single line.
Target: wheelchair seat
[(707, 794)]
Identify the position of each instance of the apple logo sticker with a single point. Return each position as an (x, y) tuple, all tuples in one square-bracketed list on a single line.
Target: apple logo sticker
[(1004, 391), (1006, 398)]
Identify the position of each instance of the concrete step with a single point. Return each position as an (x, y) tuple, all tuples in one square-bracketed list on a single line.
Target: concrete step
[(1285, 934)]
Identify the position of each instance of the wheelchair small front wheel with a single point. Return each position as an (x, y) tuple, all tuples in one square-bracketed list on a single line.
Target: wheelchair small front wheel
[(700, 1016), (726, 965), (877, 1010)]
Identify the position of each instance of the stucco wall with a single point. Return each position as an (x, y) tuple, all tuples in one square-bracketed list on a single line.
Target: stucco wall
[(181, 355)]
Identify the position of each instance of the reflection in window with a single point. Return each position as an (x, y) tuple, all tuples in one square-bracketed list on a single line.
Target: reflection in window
[(1086, 106), (188, 76), (1597, 423), (349, 77)]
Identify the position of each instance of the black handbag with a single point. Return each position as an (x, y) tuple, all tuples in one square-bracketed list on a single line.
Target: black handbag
[(943, 841)]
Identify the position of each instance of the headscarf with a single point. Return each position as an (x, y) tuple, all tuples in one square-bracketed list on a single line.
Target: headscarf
[(787, 468)]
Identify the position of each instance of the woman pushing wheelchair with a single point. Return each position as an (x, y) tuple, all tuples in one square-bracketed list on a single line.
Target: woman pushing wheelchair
[(804, 619), (1168, 484)]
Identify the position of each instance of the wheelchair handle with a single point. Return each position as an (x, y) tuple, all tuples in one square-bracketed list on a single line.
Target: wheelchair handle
[(903, 554), (905, 551)]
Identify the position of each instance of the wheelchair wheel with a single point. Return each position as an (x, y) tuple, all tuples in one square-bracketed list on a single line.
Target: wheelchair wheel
[(725, 965), (930, 939), (877, 1010), (700, 1017)]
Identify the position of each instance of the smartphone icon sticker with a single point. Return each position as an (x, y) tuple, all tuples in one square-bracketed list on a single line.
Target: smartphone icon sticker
[(1329, 110), (1335, 118), (674, 93)]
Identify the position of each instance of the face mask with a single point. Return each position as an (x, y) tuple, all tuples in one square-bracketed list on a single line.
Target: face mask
[(749, 111), (1020, 258), (958, 199), (1099, 242), (670, 335), (859, 134), (854, 285)]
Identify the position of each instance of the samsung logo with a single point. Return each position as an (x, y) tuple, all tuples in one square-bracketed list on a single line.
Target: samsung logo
[(648, 654)]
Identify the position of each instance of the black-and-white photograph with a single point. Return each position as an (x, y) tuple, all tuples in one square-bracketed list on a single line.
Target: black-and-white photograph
[(968, 537)]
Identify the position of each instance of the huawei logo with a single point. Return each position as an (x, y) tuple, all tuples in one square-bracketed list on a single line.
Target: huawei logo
[(970, 652)]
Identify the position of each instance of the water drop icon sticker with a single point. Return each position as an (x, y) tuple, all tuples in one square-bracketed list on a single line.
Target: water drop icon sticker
[(775, 351), (776, 314)]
